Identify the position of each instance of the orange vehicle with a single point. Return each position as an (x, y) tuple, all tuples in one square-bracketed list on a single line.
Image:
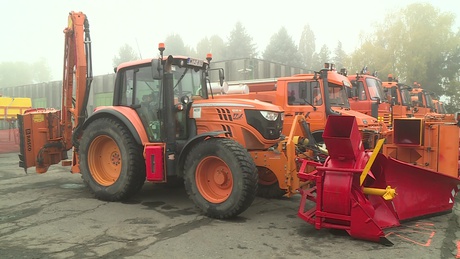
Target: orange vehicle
[(315, 96), (177, 131), (367, 96), (441, 110), (421, 101), (398, 95)]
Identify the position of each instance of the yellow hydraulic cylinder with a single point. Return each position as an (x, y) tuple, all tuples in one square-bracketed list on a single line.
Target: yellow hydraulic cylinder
[(388, 193)]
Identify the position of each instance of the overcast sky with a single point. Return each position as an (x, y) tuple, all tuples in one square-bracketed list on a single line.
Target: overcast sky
[(32, 29)]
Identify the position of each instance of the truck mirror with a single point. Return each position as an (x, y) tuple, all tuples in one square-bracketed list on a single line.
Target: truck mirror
[(221, 77), (156, 69)]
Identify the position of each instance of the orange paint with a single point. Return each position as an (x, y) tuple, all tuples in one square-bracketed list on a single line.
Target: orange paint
[(458, 249), (420, 228)]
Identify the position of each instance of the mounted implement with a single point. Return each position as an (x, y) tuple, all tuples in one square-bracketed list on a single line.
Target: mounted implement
[(365, 192)]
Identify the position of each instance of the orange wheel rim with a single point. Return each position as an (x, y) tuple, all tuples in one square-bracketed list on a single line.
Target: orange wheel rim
[(104, 160), (214, 179)]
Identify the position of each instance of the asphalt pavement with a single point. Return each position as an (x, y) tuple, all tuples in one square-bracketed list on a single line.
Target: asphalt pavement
[(53, 215)]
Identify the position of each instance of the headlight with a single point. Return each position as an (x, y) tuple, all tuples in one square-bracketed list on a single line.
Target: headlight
[(271, 116)]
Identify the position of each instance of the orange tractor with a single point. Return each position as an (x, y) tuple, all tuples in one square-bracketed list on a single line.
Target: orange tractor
[(172, 133)]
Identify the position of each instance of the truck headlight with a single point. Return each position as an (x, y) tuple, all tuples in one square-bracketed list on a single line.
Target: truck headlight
[(271, 116)]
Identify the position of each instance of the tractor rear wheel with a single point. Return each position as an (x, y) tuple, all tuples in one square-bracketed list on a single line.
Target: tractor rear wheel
[(111, 162), (268, 184), (220, 178)]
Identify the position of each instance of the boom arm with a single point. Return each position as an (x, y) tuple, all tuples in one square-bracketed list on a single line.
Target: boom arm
[(47, 134), (77, 58)]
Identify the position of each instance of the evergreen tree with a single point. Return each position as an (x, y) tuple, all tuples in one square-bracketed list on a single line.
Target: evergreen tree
[(126, 53), (282, 49), (307, 47), (340, 56), (240, 44), (175, 46)]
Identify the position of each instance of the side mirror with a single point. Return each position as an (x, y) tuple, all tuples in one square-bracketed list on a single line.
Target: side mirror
[(221, 77), (157, 69)]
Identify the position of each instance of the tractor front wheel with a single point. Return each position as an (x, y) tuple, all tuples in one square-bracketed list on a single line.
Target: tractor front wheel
[(220, 178)]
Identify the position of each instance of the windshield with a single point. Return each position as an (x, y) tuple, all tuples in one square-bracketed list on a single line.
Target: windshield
[(405, 96), (375, 89), (187, 81), (338, 96), (429, 101), (442, 109)]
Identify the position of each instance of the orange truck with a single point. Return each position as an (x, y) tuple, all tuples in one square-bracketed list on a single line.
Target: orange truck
[(421, 101), (315, 96), (440, 109), (399, 97), (367, 96)]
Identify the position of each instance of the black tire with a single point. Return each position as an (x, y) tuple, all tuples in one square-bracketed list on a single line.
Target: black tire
[(218, 200), (268, 186), (108, 151)]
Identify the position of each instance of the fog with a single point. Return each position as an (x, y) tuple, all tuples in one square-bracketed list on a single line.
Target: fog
[(34, 29)]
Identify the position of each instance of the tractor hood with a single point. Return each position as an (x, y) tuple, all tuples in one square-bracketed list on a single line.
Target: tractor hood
[(234, 103)]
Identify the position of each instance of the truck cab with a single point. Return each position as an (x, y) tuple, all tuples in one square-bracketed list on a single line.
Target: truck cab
[(367, 96), (315, 96), (398, 96), (421, 101)]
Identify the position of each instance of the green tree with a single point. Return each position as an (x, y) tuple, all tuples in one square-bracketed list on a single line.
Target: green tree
[(307, 47), (282, 49), (214, 45), (125, 53), (340, 56), (175, 46), (323, 56), (203, 47), (415, 44), (240, 44), (217, 47), (22, 73)]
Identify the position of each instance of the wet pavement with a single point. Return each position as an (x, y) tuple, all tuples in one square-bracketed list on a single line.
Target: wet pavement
[(54, 216)]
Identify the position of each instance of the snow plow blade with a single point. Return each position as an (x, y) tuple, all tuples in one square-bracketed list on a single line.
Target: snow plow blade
[(365, 192)]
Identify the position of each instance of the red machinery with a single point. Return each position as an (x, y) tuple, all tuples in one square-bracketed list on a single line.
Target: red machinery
[(364, 192)]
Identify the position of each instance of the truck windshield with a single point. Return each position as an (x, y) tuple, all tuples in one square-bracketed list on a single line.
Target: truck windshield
[(375, 89), (338, 96), (429, 100), (187, 81), (442, 109), (405, 97)]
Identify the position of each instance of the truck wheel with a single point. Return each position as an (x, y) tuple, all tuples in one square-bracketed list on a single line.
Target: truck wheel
[(220, 178), (111, 162), (268, 184)]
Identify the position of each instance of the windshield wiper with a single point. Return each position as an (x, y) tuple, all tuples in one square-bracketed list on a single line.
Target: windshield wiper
[(307, 102), (181, 77)]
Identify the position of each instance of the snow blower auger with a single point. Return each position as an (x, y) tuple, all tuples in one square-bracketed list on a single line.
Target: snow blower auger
[(364, 192)]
